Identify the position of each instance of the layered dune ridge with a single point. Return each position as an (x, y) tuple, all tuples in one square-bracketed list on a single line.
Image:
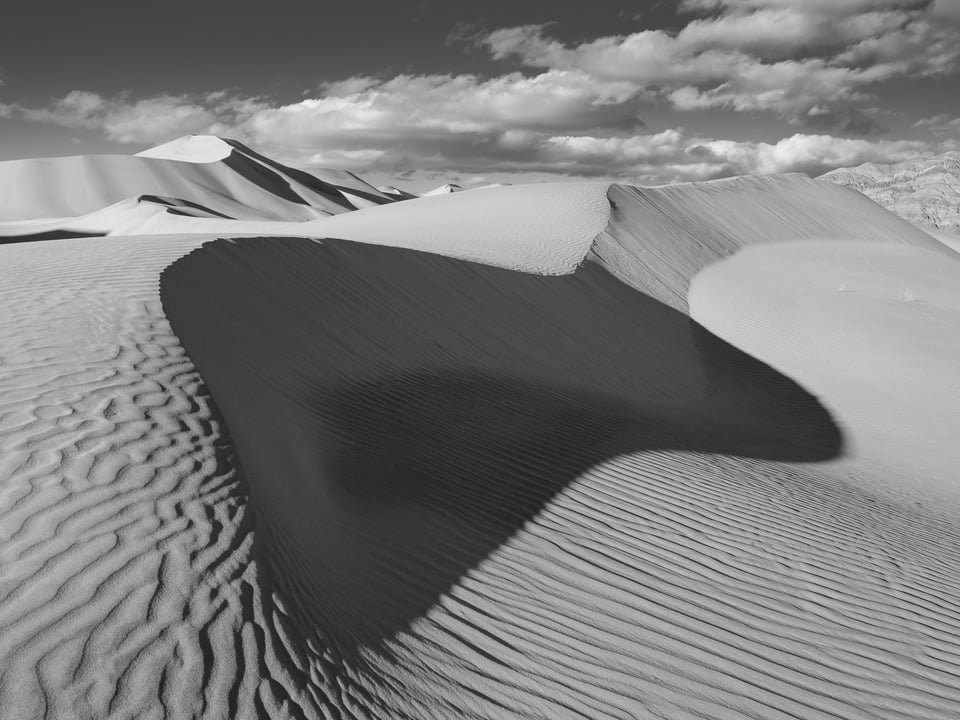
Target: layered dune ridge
[(164, 189), (570, 450)]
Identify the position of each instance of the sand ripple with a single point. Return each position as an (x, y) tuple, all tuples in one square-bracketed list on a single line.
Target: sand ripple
[(126, 587)]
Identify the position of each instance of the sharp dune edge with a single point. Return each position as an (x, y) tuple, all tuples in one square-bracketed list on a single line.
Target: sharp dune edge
[(523, 474), (118, 194)]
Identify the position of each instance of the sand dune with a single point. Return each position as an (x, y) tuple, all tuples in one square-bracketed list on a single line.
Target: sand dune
[(547, 451), (869, 327), (479, 486), (213, 177), (660, 238), (445, 189), (949, 238), (127, 587)]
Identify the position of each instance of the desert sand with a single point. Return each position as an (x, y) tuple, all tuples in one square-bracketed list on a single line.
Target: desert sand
[(570, 450)]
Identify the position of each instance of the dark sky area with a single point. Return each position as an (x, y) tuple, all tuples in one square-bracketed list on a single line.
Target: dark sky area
[(280, 48), (650, 91)]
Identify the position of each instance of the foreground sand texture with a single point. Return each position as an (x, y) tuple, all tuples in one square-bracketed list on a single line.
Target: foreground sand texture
[(126, 587), (558, 451)]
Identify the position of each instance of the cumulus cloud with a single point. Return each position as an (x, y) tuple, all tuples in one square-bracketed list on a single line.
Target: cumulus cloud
[(556, 122), (576, 109), (810, 61), (459, 104), (942, 124), (146, 120)]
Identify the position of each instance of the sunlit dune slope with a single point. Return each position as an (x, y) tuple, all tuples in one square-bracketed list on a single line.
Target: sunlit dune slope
[(242, 185), (660, 238)]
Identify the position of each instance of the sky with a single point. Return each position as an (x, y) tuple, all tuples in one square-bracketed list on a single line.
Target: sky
[(415, 94)]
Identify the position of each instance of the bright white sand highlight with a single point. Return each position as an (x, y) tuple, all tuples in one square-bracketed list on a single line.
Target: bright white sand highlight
[(660, 238), (542, 228), (195, 172), (191, 148), (872, 329)]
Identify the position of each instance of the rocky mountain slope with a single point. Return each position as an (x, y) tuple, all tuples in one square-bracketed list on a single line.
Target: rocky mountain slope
[(924, 191)]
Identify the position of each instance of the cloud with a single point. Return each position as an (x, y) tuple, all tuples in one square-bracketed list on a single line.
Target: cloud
[(812, 154), (810, 61), (146, 120), (557, 122), (576, 108), (942, 124)]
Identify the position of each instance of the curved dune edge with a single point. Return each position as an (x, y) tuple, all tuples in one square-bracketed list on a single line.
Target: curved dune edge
[(512, 495), (659, 238), (871, 328), (242, 185), (127, 578), (770, 265)]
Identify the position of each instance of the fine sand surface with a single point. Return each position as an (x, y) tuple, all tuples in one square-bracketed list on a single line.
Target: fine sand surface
[(660, 238), (69, 194), (555, 496), (126, 583), (551, 451), (871, 328), (950, 238)]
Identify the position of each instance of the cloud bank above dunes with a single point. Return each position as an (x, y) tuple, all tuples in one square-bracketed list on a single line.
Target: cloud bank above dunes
[(636, 106)]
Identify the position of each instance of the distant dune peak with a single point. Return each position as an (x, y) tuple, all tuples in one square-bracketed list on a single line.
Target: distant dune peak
[(191, 148), (444, 189)]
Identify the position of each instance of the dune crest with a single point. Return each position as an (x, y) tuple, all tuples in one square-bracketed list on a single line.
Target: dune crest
[(660, 238), (222, 177)]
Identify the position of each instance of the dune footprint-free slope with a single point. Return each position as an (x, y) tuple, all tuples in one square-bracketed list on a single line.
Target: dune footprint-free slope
[(514, 495)]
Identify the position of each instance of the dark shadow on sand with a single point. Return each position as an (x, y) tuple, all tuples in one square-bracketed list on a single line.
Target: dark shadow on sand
[(48, 235), (274, 182), (400, 415)]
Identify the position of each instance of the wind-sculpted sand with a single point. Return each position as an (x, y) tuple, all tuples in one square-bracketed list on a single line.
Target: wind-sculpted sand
[(126, 585), (493, 466), (527, 496)]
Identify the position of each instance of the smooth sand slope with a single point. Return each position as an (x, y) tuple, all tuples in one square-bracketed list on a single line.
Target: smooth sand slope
[(493, 465), (109, 194), (950, 238), (872, 328), (660, 238)]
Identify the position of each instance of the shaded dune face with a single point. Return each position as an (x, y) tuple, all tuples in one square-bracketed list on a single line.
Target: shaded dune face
[(400, 415), (48, 235)]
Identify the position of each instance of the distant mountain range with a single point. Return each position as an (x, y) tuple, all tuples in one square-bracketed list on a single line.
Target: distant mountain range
[(925, 191)]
